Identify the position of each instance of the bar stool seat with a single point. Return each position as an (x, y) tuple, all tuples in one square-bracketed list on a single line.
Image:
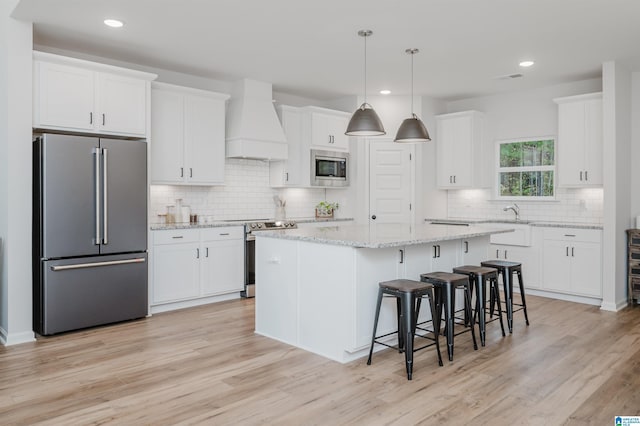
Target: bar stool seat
[(408, 294), (480, 276), (445, 284), (507, 269)]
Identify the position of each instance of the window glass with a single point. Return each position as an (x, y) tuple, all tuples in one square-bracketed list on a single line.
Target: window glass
[(526, 168)]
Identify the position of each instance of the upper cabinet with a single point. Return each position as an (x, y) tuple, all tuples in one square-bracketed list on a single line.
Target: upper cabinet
[(307, 128), (188, 135), (326, 128), (580, 140), (459, 150), (76, 95)]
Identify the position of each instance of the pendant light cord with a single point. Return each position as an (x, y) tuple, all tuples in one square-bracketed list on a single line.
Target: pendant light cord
[(412, 114), (365, 69)]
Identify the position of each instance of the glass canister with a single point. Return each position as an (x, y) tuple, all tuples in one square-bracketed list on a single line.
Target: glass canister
[(178, 212), (171, 214)]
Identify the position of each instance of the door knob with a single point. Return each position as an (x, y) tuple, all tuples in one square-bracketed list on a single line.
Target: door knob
[(373, 217)]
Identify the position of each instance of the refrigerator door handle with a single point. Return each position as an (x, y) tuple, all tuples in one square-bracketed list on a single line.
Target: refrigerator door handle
[(105, 209), (97, 264), (97, 195)]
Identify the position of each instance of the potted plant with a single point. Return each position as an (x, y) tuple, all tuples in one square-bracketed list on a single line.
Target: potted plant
[(324, 209)]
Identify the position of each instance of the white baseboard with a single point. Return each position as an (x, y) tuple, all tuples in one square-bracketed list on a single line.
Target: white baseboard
[(613, 307), (9, 339), (568, 297), (172, 306)]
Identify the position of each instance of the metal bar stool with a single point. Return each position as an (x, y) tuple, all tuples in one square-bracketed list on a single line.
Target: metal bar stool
[(445, 284), (480, 277), (408, 294), (507, 269)]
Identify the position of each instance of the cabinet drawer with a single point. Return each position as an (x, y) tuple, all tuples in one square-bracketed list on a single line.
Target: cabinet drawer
[(634, 254), (634, 270), (573, 234), (175, 236), (635, 284), (222, 233)]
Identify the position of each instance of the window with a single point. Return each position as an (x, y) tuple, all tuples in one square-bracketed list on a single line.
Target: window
[(526, 168)]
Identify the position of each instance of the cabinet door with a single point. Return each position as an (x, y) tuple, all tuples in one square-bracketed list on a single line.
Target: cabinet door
[(290, 172), (204, 140), (571, 137), (557, 265), (454, 152), (586, 270), (121, 105), (444, 257), (474, 251), (64, 97), (175, 272), (337, 127), (529, 257), (320, 137), (222, 267), (593, 142), (167, 137)]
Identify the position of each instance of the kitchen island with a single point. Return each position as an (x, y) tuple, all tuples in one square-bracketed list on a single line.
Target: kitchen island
[(316, 288)]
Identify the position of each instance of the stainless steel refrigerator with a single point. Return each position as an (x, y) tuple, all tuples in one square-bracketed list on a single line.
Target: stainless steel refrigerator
[(89, 231)]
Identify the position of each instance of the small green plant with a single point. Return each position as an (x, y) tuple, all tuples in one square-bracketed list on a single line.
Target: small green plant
[(325, 209)]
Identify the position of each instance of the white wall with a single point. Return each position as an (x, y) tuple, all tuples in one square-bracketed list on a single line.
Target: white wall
[(15, 177), (433, 202), (617, 90), (635, 145)]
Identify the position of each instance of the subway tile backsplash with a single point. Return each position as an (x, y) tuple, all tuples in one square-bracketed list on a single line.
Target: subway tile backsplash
[(580, 205), (245, 195)]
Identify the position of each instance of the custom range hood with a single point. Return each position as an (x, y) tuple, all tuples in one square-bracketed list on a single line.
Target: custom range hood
[(253, 128)]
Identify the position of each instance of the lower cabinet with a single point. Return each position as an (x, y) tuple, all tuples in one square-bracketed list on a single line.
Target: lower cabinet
[(572, 261), (194, 263), (528, 256)]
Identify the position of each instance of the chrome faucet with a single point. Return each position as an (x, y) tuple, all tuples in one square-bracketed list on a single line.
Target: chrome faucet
[(515, 209)]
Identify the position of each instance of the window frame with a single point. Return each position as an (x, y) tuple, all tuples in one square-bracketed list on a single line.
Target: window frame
[(499, 169)]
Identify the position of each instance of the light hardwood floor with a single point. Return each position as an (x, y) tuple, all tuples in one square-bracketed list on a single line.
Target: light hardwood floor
[(575, 365)]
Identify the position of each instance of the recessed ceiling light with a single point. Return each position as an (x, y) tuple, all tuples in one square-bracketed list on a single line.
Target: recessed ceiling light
[(385, 92), (525, 64), (113, 23)]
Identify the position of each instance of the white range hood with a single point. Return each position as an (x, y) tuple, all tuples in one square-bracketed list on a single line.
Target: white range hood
[(253, 128)]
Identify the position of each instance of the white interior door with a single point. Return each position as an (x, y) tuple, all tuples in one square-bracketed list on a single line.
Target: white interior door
[(391, 176)]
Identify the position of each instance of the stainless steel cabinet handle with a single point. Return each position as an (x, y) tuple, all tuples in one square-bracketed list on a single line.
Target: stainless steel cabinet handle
[(224, 233), (505, 254), (286, 179), (97, 264), (177, 237), (181, 171), (190, 172), (567, 252), (572, 249), (105, 191), (586, 175), (580, 175), (438, 250), (90, 118), (569, 235), (401, 256), (103, 119), (207, 252), (435, 251), (97, 193), (466, 246), (197, 253), (498, 253)]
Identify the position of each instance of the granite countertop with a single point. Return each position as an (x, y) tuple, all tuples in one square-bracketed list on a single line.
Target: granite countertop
[(382, 235), (219, 223), (538, 223)]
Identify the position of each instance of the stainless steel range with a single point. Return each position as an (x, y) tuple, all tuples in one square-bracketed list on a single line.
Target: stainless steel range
[(250, 228)]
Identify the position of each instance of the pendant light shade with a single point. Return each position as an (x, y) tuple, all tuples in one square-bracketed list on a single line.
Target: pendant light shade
[(412, 129), (365, 121)]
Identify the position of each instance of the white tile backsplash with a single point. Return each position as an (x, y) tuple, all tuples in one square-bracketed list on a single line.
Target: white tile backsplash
[(581, 205), (245, 195)]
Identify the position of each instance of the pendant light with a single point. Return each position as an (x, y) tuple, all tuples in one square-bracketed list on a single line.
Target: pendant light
[(412, 129), (365, 121)]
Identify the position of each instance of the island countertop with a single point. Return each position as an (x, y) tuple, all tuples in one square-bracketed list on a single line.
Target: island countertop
[(383, 235)]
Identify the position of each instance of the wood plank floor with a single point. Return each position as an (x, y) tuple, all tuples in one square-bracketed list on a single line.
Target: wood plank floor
[(575, 365)]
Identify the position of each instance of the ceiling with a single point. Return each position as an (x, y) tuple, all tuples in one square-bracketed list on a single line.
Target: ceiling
[(312, 49)]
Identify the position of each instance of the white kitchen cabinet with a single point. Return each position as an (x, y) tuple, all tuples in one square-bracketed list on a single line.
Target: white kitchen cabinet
[(572, 261), (76, 95), (175, 266), (326, 128), (307, 128), (191, 264), (187, 136), (459, 150), (529, 257), (580, 140), (222, 262), (474, 251)]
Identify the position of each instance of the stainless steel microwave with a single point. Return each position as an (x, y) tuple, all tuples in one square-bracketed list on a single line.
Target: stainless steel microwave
[(329, 168)]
